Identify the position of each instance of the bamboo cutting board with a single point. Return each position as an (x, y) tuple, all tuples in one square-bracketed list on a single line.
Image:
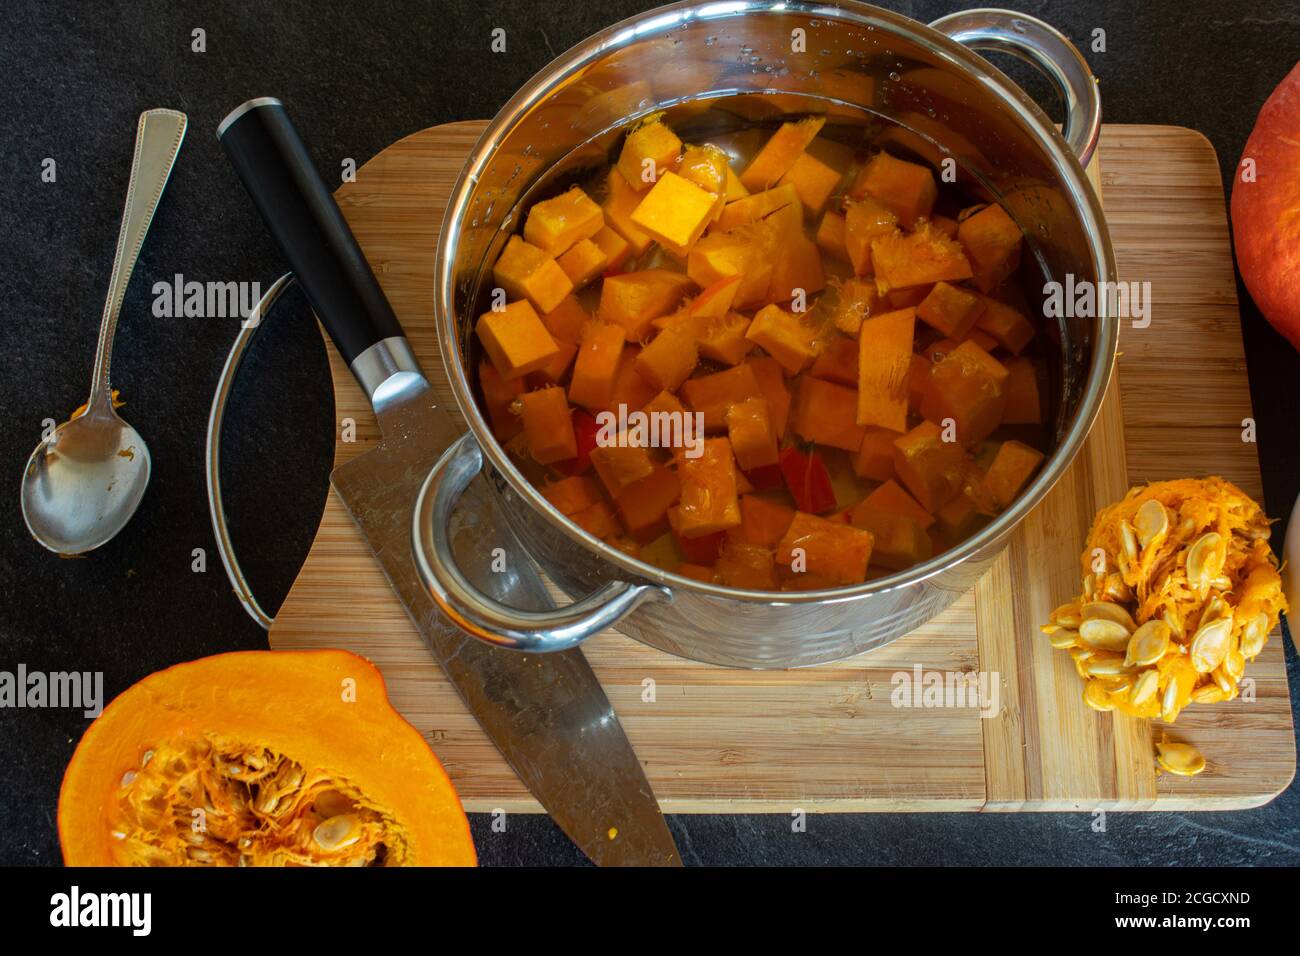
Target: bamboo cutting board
[(830, 738)]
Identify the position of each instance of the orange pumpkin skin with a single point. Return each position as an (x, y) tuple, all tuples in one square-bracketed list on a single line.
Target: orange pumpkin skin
[(1266, 212), (325, 710)]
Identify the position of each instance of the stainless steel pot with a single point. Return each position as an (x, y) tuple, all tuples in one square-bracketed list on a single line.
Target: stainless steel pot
[(923, 77)]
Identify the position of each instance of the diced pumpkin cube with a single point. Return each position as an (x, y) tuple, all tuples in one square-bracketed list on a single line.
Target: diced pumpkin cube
[(573, 494), (1024, 407), (596, 366), (750, 430), (763, 521), (832, 235), (992, 242), (865, 221), (617, 250), (837, 361), (908, 189), (951, 310), (582, 262), (619, 464), (716, 299), (630, 389), (669, 359), (499, 395), (516, 340), (1012, 330), (797, 268), (526, 272), (1011, 470), (832, 549), (599, 521), (664, 402), (722, 339), (675, 212), (746, 566), (785, 337), (712, 395), (705, 166), (619, 206), (945, 225), (633, 299), (644, 503), (959, 518), (697, 572), (919, 258), (735, 188), (709, 501), (855, 300), (699, 550), (891, 498), (780, 152), (875, 457), (918, 380), (771, 383), (554, 225), (567, 321), (898, 541), (932, 469), (825, 413), (884, 361), (813, 180), (969, 387), (938, 350), (908, 298), (724, 255), (548, 426), (649, 151), (756, 206), (554, 371)]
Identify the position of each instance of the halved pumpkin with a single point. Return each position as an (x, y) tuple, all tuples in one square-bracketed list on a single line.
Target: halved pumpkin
[(259, 758)]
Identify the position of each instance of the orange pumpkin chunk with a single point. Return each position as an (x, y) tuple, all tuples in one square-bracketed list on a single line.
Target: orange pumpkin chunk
[(829, 549), (567, 321), (644, 503), (709, 501), (706, 166), (1024, 407), (932, 469), (855, 299), (615, 247), (571, 495), (920, 258), (832, 235), (890, 498), (675, 212), (951, 310), (526, 272), (771, 384), (499, 395), (898, 541), (723, 339), (620, 464), (554, 225), (712, 395), (619, 206), (875, 457), (813, 180), (763, 521), (969, 387), (669, 359), (959, 518), (837, 361), (826, 413), (884, 363), (780, 152), (866, 221), (992, 241), (1011, 470), (728, 255), (750, 430), (756, 206), (599, 520), (634, 299), (746, 566), (549, 426), (649, 151), (516, 340), (908, 189), (596, 366), (1011, 329), (583, 261), (785, 337)]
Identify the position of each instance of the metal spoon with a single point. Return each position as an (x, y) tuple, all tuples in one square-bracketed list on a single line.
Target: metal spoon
[(84, 482)]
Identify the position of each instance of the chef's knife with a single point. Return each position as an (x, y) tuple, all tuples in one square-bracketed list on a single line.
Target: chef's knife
[(546, 712)]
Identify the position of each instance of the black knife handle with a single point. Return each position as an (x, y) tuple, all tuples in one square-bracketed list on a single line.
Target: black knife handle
[(269, 156)]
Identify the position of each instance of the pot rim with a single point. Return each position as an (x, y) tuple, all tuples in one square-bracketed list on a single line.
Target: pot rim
[(1084, 202)]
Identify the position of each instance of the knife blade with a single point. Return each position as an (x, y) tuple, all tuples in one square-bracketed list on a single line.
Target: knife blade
[(546, 713)]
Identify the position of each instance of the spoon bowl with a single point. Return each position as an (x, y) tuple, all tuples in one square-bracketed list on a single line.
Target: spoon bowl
[(83, 484)]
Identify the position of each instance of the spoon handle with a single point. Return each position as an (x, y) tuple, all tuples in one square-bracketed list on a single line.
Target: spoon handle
[(157, 141)]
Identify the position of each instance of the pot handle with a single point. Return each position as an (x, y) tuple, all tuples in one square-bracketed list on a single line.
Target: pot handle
[(489, 620), (1046, 48)]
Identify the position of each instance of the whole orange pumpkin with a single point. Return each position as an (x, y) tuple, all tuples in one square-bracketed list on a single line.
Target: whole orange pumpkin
[(1266, 209)]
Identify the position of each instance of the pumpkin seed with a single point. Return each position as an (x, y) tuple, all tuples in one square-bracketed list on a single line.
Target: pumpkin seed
[(1209, 694), (1253, 635), (1106, 610), (1210, 644), (1169, 703), (1063, 639), (1150, 522), (1175, 623), (1181, 759), (1224, 681), (1106, 665), (337, 832), (1145, 688), (128, 778), (1105, 633), (1116, 589), (1204, 561), (1149, 643), (1128, 540), (1234, 664), (1067, 615), (1096, 696)]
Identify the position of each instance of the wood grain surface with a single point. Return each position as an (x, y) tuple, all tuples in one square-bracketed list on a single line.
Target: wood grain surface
[(829, 738)]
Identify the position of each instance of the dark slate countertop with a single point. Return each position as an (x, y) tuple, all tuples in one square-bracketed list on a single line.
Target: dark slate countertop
[(358, 76)]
